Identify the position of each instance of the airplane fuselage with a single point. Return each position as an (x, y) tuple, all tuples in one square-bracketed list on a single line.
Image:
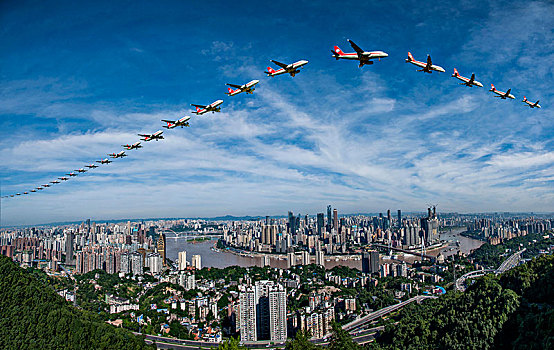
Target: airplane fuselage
[(365, 56), (502, 94), (467, 81), (291, 69)]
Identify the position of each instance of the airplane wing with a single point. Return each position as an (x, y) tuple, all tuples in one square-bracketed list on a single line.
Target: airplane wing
[(143, 135), (355, 47), (282, 65), (429, 62), (199, 106), (234, 85), (507, 92), (168, 121)]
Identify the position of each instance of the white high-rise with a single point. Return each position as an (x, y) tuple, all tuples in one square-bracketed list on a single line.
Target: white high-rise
[(263, 312), (182, 260), (196, 262)]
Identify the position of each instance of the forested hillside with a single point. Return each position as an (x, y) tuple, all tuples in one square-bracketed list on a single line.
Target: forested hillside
[(33, 316)]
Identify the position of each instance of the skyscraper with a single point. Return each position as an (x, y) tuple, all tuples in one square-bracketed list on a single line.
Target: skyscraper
[(69, 248), (161, 247), (336, 220), (196, 262), (399, 223), (329, 219), (320, 224), (263, 312), (370, 262), (182, 260)]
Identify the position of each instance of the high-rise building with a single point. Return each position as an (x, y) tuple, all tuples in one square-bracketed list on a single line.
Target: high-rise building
[(320, 224), (69, 238), (399, 223), (161, 247), (305, 258), (196, 262), (291, 259), (155, 263), (320, 258), (136, 263), (277, 313), (329, 218), (263, 312), (370, 262), (182, 260), (247, 319), (336, 220)]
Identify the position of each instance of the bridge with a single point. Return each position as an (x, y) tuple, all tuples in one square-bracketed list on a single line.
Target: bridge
[(382, 246), (382, 312), (506, 265)]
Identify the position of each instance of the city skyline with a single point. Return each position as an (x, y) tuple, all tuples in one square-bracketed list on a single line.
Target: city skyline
[(383, 136)]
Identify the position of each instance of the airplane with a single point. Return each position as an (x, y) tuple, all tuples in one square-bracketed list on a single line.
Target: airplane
[(54, 182), (360, 55), (118, 155), (428, 67), (39, 188), (248, 88), (92, 166), (33, 190), (467, 81), (135, 145), (155, 136), (171, 124), (47, 185), (25, 192), (81, 170), (63, 178), (104, 161), (71, 174), (292, 68), (502, 95), (11, 195), (531, 104), (18, 194), (212, 107)]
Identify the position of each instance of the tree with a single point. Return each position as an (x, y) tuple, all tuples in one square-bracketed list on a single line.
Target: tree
[(301, 342), (230, 344), (341, 339)]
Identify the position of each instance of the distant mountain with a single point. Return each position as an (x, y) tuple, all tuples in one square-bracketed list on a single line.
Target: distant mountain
[(33, 316)]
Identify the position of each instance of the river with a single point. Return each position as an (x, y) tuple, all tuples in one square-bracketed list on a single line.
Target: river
[(220, 259)]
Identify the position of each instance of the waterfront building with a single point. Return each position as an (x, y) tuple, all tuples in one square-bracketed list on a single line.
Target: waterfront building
[(370, 262), (196, 262), (161, 247), (182, 260)]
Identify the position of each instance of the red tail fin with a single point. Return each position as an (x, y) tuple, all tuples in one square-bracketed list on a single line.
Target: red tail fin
[(456, 72), (410, 57), (338, 50), (198, 109), (492, 87), (270, 70), (230, 90), (524, 99)]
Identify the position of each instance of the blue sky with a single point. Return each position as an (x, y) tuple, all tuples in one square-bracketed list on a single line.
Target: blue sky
[(78, 80)]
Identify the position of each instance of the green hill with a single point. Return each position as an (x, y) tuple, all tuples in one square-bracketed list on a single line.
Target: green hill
[(33, 316)]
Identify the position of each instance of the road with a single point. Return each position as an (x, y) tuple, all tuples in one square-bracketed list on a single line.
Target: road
[(382, 312)]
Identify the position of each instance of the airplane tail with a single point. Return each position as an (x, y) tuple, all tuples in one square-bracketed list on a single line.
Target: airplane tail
[(230, 90), (270, 70), (456, 72), (524, 99), (410, 57), (493, 88), (198, 109), (338, 50)]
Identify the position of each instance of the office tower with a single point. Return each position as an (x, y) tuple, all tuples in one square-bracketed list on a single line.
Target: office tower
[(336, 220), (277, 313), (320, 258), (267, 220), (161, 247), (399, 223), (292, 223), (266, 260), (247, 318), (196, 262), (430, 227), (320, 224), (370, 262), (329, 219), (69, 248), (182, 260)]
